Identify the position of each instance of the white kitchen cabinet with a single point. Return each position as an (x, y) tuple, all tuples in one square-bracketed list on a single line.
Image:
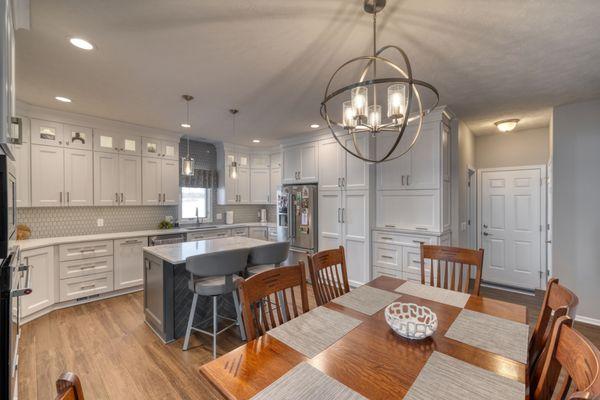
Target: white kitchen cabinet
[(46, 132), (158, 148), (243, 185), (130, 180), (242, 158), (41, 263), (113, 142), (85, 286), (151, 181), (258, 232), (259, 185), (330, 226), (355, 174), (170, 182), (275, 184), (236, 190), (446, 168), (106, 179), (418, 210), (339, 169), (208, 234), (260, 160), (47, 176), (276, 159), (129, 262), (22, 153), (300, 163), (78, 137), (240, 232), (79, 177)]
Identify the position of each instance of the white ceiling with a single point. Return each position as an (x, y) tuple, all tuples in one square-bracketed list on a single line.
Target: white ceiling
[(272, 58)]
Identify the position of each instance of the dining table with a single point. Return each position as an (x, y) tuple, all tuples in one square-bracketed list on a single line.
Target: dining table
[(374, 362)]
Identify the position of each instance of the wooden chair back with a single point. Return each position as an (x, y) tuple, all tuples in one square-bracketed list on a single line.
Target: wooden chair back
[(328, 274), (558, 301), (269, 294), (571, 351), (451, 267), (68, 387)]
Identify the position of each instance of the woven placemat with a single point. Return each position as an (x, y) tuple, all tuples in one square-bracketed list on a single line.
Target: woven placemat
[(445, 377), (313, 332), (450, 297), (366, 299)]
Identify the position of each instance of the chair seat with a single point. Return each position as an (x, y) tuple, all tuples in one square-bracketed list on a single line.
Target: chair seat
[(214, 285), (257, 269)]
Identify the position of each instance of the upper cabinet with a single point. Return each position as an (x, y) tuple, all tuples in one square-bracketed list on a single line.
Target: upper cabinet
[(259, 186), (46, 132), (300, 163), (160, 181), (160, 148), (339, 169), (260, 160), (112, 142), (78, 137)]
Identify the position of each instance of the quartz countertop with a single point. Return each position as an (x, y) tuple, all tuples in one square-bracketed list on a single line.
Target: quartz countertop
[(31, 244), (178, 252)]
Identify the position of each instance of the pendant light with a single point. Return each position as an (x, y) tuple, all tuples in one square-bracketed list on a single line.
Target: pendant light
[(233, 168), (187, 163)]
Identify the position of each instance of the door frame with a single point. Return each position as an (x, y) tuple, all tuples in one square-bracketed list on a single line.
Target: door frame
[(472, 207), (543, 212)]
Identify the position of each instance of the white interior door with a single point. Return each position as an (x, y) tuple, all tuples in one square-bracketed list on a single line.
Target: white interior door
[(510, 227)]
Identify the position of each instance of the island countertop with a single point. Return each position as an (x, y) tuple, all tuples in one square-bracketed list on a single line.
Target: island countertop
[(178, 252)]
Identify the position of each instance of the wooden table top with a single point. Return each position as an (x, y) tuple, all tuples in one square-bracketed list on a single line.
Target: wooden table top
[(371, 359)]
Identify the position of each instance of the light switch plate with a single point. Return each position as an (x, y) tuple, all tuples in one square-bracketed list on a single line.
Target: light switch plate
[(463, 226), (219, 216), (100, 222)]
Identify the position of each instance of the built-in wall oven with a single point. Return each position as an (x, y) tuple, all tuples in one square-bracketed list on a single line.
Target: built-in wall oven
[(8, 204)]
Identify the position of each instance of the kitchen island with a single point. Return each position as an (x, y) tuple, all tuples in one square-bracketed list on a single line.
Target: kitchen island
[(167, 298)]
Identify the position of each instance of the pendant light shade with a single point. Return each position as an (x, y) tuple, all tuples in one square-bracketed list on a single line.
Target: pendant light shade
[(187, 162), (233, 167)]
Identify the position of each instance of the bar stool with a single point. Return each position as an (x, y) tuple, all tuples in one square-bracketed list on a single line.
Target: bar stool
[(267, 257), (213, 275)]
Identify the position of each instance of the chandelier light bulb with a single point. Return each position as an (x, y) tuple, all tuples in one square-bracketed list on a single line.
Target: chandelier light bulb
[(374, 116), (396, 99), (360, 100), (349, 115)]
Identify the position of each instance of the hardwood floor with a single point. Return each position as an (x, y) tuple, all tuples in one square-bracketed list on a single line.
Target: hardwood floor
[(117, 356)]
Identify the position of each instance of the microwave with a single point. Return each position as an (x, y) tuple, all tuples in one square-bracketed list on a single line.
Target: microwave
[(8, 204)]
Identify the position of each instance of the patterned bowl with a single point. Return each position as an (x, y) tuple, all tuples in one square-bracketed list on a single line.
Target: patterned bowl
[(410, 320)]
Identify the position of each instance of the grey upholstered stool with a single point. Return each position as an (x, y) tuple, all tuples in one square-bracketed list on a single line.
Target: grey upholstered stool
[(212, 275), (267, 257)]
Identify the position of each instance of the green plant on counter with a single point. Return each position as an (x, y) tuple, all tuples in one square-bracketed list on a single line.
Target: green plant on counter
[(164, 224)]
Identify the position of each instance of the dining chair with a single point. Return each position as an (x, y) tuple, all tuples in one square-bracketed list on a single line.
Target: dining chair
[(262, 289), (570, 351), (451, 267), (213, 275), (328, 274), (558, 301), (68, 387)]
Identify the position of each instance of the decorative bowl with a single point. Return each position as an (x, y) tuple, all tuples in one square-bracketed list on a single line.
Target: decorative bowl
[(411, 321)]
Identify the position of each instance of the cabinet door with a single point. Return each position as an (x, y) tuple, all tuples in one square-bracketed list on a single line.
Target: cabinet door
[(291, 164), (130, 180), (243, 185), (275, 184), (170, 182), (22, 153), (258, 233), (230, 190), (129, 262), (425, 159), (259, 186), (243, 159), (356, 170), (151, 181), (170, 150), (106, 141), (46, 132), (276, 160), (79, 177), (130, 145), (330, 226), (409, 209), (309, 162), (259, 161), (446, 152), (331, 169), (391, 174), (78, 137), (355, 225), (47, 176), (151, 147), (41, 262), (106, 179)]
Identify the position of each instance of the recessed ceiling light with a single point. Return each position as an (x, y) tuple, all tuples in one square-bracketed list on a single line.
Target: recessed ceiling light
[(314, 126), (255, 140), (63, 99), (81, 43), (507, 125), (184, 125)]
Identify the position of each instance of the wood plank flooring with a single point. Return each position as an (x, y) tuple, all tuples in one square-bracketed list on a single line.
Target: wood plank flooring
[(117, 356)]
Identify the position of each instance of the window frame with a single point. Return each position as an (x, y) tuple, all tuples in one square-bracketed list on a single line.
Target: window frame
[(209, 208)]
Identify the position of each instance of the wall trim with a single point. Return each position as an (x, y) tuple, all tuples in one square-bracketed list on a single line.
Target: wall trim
[(587, 320)]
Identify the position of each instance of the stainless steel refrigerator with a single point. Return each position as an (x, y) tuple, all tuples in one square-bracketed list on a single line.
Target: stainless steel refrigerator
[(297, 218)]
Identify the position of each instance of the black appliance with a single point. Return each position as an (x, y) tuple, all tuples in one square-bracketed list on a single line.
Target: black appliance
[(8, 204)]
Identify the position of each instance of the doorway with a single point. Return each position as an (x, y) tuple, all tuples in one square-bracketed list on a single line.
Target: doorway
[(511, 215)]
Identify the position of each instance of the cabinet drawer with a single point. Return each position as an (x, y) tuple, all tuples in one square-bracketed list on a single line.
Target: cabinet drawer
[(380, 271), (71, 269), (258, 233), (401, 239), (412, 261), (415, 277), (82, 286), (79, 251), (387, 256), (208, 235), (239, 232)]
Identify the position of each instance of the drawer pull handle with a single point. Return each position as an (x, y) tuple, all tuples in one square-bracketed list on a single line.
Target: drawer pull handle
[(88, 287), (388, 257), (87, 267), (421, 228), (390, 226), (418, 241), (386, 238)]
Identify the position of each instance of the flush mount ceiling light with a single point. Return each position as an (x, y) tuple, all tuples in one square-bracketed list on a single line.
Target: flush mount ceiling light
[(359, 117), (507, 125), (314, 126), (63, 99), (233, 167), (81, 43), (255, 140), (187, 99)]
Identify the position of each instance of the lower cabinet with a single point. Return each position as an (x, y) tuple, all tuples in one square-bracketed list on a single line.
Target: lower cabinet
[(258, 233), (41, 263), (84, 286), (204, 235), (129, 262), (239, 232)]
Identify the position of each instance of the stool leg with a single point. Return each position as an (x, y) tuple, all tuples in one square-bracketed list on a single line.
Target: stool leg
[(188, 331), (238, 312), (215, 319)]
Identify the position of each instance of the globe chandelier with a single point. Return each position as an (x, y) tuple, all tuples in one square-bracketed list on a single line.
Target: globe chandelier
[(361, 117)]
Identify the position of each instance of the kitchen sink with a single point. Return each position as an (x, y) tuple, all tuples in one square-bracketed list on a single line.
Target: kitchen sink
[(199, 227)]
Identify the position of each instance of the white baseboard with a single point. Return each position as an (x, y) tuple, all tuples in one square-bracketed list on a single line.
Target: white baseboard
[(587, 320)]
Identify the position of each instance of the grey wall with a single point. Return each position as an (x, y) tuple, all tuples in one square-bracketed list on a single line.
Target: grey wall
[(526, 147), (463, 156), (576, 197)]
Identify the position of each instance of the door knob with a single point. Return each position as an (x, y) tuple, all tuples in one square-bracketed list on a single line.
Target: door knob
[(487, 234), (485, 226)]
